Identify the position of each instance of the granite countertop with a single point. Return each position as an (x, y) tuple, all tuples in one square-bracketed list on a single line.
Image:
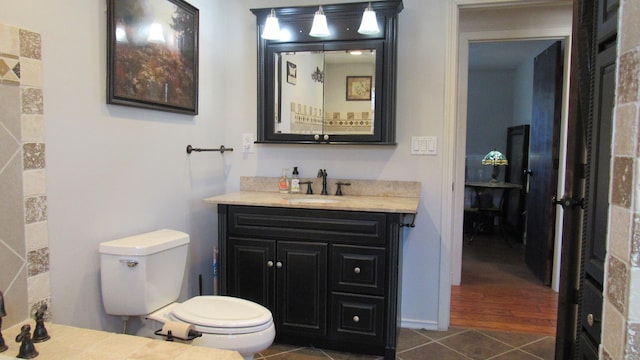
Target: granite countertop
[(72, 343), (375, 196)]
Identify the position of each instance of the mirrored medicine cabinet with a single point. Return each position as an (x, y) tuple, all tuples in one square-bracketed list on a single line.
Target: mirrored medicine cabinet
[(338, 89)]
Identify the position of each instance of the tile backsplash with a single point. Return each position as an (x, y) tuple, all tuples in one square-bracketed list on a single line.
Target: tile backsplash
[(24, 244)]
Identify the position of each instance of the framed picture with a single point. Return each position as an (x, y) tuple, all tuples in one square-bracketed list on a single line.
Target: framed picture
[(152, 54), (292, 71), (358, 88)]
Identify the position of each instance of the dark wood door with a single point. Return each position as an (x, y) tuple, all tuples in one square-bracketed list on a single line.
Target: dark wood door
[(543, 160), (592, 95), (302, 288), (515, 201), (251, 275)]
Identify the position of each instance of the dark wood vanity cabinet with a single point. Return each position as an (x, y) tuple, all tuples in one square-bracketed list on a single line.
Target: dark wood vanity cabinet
[(330, 278)]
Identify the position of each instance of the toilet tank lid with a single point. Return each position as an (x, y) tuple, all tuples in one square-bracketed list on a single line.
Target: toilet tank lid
[(145, 244)]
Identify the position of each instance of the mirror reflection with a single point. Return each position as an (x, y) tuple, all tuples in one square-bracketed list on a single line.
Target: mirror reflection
[(325, 92)]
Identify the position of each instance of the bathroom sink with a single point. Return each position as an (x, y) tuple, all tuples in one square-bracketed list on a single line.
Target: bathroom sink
[(311, 200)]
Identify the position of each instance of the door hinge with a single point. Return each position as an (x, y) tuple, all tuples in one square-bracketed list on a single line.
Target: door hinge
[(568, 202)]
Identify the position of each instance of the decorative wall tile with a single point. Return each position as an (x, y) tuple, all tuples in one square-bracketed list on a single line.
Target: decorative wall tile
[(32, 101), (617, 283), (15, 298), (613, 339), (625, 132), (11, 265), (632, 352), (34, 182), (621, 183), (9, 146), (30, 44), (34, 156), (630, 37), (628, 77), (31, 72), (35, 209), (36, 306), (37, 235), (37, 261), (9, 40), (39, 289), (32, 128), (619, 231)]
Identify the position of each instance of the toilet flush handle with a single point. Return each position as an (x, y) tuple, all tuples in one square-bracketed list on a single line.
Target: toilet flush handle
[(130, 263)]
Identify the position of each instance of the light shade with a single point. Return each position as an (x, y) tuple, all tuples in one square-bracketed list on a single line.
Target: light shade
[(156, 34), (495, 158), (319, 27), (271, 27), (369, 24)]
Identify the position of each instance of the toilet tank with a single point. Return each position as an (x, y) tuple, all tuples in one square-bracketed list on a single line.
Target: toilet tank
[(142, 273)]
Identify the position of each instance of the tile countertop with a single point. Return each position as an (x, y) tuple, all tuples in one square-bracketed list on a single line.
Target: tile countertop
[(71, 343), (375, 196)]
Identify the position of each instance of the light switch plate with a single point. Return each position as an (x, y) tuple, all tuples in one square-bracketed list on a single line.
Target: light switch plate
[(247, 143), (424, 145)]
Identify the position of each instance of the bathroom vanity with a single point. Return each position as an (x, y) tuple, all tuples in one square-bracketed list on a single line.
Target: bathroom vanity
[(328, 267)]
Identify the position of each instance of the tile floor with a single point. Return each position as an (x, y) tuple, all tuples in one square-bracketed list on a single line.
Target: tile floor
[(454, 344)]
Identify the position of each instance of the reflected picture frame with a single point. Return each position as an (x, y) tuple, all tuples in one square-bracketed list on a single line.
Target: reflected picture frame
[(152, 55), (292, 73), (359, 88)]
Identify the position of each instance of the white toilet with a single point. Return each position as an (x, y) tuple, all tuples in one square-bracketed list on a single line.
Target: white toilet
[(142, 275)]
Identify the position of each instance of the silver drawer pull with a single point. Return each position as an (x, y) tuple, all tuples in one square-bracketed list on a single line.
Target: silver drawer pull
[(130, 263), (269, 263), (356, 319), (279, 265), (356, 270)]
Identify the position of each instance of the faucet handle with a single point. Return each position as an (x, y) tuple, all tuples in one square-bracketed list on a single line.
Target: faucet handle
[(339, 190), (309, 189)]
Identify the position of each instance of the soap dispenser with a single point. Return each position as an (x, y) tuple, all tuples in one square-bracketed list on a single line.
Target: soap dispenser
[(283, 183), (295, 181)]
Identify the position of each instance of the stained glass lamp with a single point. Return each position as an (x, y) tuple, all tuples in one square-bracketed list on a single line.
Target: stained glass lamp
[(497, 159)]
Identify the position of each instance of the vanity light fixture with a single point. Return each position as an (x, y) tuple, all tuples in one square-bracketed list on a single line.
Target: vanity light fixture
[(319, 27), (369, 24), (271, 27)]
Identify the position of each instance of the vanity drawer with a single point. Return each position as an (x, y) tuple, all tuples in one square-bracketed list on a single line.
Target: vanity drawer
[(308, 224), (358, 269), (358, 318)]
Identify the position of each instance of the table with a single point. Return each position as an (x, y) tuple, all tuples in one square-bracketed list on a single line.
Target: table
[(487, 208)]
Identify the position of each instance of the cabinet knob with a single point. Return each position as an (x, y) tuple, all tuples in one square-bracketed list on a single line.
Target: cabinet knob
[(356, 319), (279, 264), (316, 137), (356, 270), (269, 263), (325, 137)]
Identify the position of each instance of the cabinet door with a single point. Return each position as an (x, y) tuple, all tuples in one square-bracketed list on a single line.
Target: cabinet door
[(251, 270), (302, 288)]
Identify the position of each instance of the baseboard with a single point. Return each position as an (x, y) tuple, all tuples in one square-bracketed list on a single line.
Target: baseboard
[(418, 324)]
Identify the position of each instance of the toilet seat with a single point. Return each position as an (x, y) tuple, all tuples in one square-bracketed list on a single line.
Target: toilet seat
[(223, 315)]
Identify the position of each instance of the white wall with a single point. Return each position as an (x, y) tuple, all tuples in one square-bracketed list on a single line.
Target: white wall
[(115, 171)]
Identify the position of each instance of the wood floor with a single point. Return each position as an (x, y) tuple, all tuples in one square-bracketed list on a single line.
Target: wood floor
[(499, 292)]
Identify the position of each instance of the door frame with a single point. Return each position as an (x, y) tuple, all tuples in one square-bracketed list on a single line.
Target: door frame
[(455, 114)]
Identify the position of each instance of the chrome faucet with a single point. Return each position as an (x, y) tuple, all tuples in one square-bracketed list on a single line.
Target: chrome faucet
[(323, 174)]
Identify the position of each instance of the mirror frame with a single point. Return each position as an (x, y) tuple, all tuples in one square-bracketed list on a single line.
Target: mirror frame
[(343, 21)]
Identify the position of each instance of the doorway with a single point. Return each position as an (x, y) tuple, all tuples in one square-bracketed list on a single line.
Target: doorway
[(542, 22)]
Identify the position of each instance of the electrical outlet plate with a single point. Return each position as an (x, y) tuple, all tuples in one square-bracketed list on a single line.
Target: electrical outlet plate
[(247, 143)]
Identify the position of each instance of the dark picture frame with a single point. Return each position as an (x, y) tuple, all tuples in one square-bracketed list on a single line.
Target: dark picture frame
[(292, 72), (152, 55), (359, 88)]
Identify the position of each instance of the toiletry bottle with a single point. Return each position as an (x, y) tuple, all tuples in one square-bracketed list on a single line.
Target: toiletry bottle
[(283, 183), (295, 181)]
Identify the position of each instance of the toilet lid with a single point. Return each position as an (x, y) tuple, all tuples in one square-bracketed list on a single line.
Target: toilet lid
[(223, 314)]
